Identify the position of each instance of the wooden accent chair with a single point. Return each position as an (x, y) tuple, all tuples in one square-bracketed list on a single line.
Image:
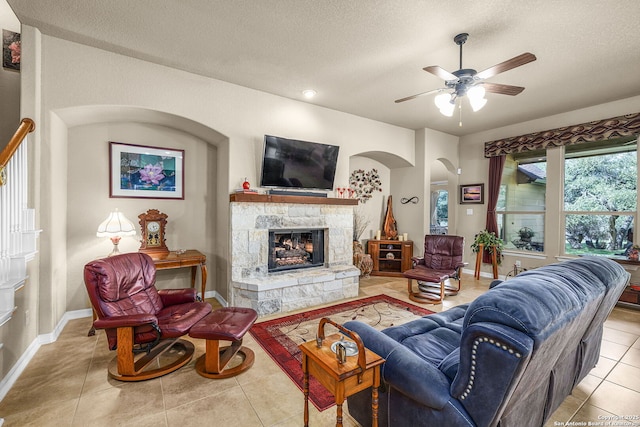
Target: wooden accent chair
[(441, 262), (142, 324)]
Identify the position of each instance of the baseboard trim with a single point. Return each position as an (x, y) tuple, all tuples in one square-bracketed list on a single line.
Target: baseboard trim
[(486, 274), (14, 373)]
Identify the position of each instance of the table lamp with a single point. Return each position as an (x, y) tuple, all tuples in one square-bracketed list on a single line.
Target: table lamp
[(114, 227)]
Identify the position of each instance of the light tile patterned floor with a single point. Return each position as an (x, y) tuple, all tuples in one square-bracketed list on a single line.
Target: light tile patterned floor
[(66, 383)]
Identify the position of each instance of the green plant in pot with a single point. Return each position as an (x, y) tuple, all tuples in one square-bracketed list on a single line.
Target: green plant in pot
[(525, 234), (488, 239)]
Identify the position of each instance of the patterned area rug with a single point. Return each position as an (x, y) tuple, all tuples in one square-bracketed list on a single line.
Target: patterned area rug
[(280, 337)]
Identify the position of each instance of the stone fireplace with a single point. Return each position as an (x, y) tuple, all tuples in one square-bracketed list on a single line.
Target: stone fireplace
[(291, 252)]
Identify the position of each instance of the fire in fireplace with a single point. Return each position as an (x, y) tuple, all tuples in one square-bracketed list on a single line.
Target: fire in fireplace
[(292, 249)]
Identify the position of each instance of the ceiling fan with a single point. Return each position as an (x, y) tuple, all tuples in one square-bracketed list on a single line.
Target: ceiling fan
[(467, 81)]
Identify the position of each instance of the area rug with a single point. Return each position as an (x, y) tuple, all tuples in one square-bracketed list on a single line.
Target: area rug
[(281, 337)]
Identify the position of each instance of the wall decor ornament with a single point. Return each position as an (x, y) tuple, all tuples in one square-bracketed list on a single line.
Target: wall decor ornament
[(365, 183), (141, 171)]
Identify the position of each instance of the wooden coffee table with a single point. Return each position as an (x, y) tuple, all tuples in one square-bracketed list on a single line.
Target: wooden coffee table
[(358, 373)]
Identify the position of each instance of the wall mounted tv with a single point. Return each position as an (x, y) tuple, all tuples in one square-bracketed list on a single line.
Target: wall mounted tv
[(290, 163)]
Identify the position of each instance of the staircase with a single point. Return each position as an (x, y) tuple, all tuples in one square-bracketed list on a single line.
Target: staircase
[(17, 223)]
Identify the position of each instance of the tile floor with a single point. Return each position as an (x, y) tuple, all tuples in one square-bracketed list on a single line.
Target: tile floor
[(66, 383)]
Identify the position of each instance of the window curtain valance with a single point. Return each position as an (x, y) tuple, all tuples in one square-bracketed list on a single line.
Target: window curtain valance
[(600, 130)]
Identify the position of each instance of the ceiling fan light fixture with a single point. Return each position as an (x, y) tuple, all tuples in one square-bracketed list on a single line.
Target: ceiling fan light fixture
[(477, 104), (446, 103), (476, 97)]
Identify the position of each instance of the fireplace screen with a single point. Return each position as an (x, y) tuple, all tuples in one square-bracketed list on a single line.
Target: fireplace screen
[(291, 249)]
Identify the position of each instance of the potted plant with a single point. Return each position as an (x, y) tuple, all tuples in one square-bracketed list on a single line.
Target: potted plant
[(488, 239), (525, 234)]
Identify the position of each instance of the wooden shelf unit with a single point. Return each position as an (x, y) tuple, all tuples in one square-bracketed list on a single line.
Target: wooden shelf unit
[(402, 252)]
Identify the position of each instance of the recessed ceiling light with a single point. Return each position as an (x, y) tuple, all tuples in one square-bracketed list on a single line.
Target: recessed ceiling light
[(309, 93)]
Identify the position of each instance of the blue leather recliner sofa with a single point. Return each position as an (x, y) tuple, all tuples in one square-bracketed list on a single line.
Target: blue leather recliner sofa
[(507, 359)]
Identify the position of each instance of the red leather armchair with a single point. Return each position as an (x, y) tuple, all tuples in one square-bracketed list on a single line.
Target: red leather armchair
[(442, 261), (141, 322)]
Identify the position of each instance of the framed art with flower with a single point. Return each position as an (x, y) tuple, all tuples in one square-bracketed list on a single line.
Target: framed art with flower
[(11, 50), (141, 171)]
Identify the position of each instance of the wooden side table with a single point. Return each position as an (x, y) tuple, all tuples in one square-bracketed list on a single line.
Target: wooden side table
[(189, 258), (358, 373)]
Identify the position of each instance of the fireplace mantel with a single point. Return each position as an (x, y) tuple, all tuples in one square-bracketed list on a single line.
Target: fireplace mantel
[(277, 198)]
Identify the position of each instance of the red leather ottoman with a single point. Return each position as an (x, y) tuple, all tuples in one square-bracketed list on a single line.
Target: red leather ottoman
[(224, 324)]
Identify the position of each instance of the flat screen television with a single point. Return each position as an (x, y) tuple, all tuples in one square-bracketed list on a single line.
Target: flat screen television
[(291, 163)]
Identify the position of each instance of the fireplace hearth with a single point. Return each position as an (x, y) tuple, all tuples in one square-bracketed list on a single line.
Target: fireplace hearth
[(294, 249)]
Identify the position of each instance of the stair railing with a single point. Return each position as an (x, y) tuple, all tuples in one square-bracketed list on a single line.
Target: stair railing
[(17, 222), (26, 126)]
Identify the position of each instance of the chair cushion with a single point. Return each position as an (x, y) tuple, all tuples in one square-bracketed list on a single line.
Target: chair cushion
[(520, 302), (435, 338), (124, 276), (176, 320), (442, 252), (424, 274), (228, 323)]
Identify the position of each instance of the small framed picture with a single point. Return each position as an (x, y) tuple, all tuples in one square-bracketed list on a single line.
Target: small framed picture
[(11, 50), (472, 194), (141, 171)]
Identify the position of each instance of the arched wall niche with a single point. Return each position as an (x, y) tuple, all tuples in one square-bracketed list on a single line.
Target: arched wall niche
[(373, 210), (197, 222)]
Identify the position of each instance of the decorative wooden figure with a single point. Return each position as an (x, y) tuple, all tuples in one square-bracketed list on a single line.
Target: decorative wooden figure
[(390, 227)]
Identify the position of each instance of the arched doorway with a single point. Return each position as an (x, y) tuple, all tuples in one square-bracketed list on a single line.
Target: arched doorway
[(442, 186)]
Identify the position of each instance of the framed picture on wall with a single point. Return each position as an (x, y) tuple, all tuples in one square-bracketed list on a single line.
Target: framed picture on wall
[(11, 50), (472, 194), (140, 171)]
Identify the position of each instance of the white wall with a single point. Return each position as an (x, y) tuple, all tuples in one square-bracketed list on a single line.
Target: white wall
[(73, 101)]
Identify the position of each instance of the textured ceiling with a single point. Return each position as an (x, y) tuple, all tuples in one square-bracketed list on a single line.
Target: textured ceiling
[(361, 55)]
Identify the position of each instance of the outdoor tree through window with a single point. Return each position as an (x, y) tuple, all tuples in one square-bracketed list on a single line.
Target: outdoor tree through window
[(600, 197)]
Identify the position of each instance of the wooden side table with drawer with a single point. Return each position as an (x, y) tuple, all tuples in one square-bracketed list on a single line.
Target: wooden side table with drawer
[(357, 373)]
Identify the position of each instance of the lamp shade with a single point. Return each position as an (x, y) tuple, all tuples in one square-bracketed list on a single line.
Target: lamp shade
[(116, 225), (476, 97), (443, 102)]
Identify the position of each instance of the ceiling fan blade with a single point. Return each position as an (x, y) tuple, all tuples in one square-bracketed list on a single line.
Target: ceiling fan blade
[(440, 72), (507, 65), (502, 89), (417, 95)]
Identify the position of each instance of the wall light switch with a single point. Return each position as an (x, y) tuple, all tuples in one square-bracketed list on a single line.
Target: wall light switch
[(469, 211)]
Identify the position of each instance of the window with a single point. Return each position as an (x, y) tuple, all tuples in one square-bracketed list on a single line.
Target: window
[(600, 197), (440, 212), (521, 203)]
